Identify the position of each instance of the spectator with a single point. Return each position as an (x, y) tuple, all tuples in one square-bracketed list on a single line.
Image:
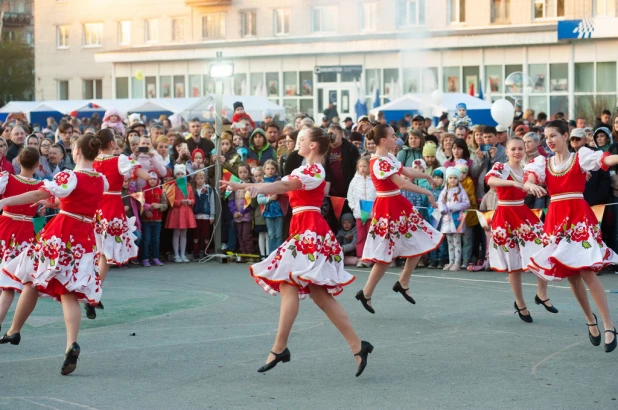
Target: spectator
[(325, 123), (501, 135), (541, 119), (580, 122), (356, 138), (156, 131), (230, 158), (522, 130), (18, 136), (138, 127), (181, 217), (196, 140), (381, 117), (532, 144), (444, 152), (272, 133), (461, 131), (363, 125), (598, 186), (5, 164), (603, 138), (56, 159), (348, 123), (180, 151), (342, 159), (361, 188), (273, 213), (260, 150), (65, 132), (485, 160), (290, 143), (307, 123), (604, 121), (204, 211), (330, 112), (347, 238), (243, 215), (155, 204), (418, 123), (413, 148)]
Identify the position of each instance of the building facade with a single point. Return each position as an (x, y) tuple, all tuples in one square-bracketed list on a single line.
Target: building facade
[(303, 54)]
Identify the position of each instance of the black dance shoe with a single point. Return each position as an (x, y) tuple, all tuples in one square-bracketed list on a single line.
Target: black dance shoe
[(538, 301), (366, 348), (90, 312), (526, 318), (70, 360), (100, 306), (595, 340), (14, 339), (280, 357), (361, 296), (397, 288), (610, 347)]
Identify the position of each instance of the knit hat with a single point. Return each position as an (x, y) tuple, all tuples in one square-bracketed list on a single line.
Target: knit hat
[(197, 150), (462, 166), (238, 104), (453, 171), (399, 142), (267, 113), (429, 150), (438, 172), (153, 174), (180, 169), (420, 163), (461, 105), (347, 217)]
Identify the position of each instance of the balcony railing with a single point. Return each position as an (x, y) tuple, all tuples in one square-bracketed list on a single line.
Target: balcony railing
[(17, 19)]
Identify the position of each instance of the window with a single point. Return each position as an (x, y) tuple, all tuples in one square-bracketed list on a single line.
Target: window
[(28, 38), (605, 8), (122, 87), (178, 29), (62, 37), (151, 87), (93, 35), (548, 9), (92, 89), (501, 11), (213, 26), (411, 80), (584, 77), (494, 78), (606, 77), (63, 89), (457, 11), (451, 79), (538, 75), (368, 14), (558, 76), (124, 33), (151, 30), (410, 13), (282, 22), (470, 79), (324, 19), (248, 24)]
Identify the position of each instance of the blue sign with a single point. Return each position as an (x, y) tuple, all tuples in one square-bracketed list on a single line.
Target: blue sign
[(600, 27)]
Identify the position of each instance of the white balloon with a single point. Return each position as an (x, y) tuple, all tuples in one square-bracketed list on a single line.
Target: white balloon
[(437, 96), (502, 111)]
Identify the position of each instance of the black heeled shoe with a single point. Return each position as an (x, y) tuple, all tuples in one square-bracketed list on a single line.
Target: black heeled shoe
[(90, 312), (610, 347), (595, 340), (538, 301), (279, 357), (100, 306), (361, 296), (70, 360), (397, 288), (526, 318), (366, 348), (14, 339)]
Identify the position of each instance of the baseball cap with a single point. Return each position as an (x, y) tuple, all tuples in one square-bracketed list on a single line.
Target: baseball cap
[(522, 128), (347, 119), (578, 133), (501, 128)]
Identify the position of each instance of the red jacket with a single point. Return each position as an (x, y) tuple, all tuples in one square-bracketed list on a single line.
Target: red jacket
[(152, 196)]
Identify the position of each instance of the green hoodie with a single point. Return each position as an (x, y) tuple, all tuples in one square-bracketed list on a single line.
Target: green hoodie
[(265, 153)]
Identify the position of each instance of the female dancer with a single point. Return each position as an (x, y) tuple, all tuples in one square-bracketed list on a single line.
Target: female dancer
[(16, 230), (516, 232), (574, 248), (310, 261), (397, 229), (113, 230), (62, 264)]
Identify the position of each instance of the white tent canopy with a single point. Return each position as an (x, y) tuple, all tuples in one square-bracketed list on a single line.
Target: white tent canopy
[(424, 103), (61, 106)]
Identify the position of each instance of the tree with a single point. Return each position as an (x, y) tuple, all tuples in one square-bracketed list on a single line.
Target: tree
[(16, 71)]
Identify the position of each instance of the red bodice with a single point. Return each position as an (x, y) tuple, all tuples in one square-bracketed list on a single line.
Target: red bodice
[(571, 180), (382, 185), (85, 198), (19, 185), (108, 166), (313, 197)]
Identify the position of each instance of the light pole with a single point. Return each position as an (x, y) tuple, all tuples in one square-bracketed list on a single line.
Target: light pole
[(219, 70)]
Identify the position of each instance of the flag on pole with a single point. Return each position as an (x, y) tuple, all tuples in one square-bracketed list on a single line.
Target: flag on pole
[(366, 208), (485, 218), (39, 223), (182, 185), (471, 92), (598, 211), (247, 198), (481, 91), (338, 203), (488, 92), (170, 191), (537, 212), (228, 176)]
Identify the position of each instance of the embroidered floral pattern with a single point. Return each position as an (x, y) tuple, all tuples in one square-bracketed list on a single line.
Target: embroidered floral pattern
[(310, 246), (313, 171), (62, 179), (508, 237), (404, 226), (581, 232)]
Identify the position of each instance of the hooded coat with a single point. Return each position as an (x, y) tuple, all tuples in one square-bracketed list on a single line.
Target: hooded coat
[(260, 156)]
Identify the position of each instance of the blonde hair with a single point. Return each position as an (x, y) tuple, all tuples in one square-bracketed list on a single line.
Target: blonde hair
[(362, 159), (273, 163)]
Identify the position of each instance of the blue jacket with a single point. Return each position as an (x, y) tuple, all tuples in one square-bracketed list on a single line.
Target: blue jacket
[(205, 203), (272, 209)]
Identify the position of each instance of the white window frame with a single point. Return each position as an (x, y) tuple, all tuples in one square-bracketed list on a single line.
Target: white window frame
[(248, 23), (124, 38), (59, 31), (58, 89), (547, 16), (605, 4), (503, 12), (181, 32), (93, 84), (279, 18), (454, 15), (368, 9), (92, 35), (322, 10), (418, 6), (220, 23), (151, 30)]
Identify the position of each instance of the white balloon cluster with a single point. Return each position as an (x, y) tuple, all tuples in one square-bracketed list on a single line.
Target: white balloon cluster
[(502, 111)]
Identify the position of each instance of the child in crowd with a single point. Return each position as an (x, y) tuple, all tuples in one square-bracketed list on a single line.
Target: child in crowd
[(273, 214), (149, 159), (198, 159), (460, 118), (134, 144), (162, 147), (181, 217), (155, 203), (239, 144), (239, 114), (243, 215), (347, 239), (429, 156), (113, 119), (452, 203), (132, 207), (204, 211), (488, 203), (439, 257), (119, 146), (259, 222), (470, 240), (361, 188)]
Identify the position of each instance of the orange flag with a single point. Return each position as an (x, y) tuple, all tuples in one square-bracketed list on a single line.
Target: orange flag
[(284, 201), (537, 212), (598, 211), (338, 203), (247, 198), (170, 191)]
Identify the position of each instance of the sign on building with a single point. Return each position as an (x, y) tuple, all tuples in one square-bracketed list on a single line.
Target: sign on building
[(599, 27)]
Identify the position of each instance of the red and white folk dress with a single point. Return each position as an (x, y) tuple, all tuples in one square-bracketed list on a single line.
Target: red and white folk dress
[(311, 255), (113, 230), (516, 232), (16, 228), (397, 230), (572, 239), (64, 258)]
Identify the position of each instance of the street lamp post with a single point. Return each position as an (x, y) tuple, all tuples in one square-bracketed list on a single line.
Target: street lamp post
[(219, 70)]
